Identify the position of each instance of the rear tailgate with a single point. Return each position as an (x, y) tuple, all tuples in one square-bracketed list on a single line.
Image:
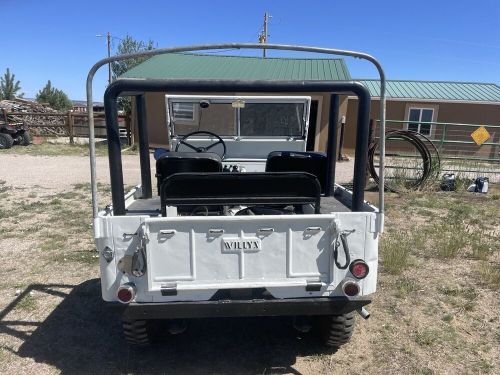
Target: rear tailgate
[(245, 251)]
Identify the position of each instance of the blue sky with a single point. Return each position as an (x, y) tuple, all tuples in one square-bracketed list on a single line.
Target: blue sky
[(453, 40)]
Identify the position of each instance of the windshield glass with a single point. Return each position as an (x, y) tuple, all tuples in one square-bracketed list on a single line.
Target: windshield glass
[(218, 118), (272, 119), (237, 117)]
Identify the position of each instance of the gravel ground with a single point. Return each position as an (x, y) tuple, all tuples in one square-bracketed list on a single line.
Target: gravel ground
[(436, 316), (60, 173)]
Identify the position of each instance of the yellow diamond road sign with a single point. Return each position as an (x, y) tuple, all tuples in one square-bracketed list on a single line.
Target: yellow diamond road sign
[(480, 135)]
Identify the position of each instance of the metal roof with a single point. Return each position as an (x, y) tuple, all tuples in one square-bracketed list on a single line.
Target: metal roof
[(436, 90), (198, 66)]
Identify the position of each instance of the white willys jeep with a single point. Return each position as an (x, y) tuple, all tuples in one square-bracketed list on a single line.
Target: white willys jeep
[(245, 221)]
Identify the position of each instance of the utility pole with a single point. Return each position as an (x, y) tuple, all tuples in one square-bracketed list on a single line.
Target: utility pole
[(108, 37), (264, 34)]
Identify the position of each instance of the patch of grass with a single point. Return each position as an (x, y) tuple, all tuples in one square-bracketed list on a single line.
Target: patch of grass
[(53, 241), (448, 239), (396, 247), (426, 337), (405, 286), (395, 253), (49, 148), (35, 206), (431, 336), (483, 366), (70, 195), (56, 202), (490, 275), (86, 257), (27, 303), (447, 318), (463, 299), (4, 213), (86, 187), (425, 371), (482, 244), (4, 188)]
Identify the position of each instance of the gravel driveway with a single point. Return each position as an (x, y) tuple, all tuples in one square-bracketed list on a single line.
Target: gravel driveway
[(59, 173)]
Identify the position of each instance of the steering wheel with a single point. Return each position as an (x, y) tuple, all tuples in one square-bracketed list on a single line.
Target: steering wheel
[(202, 149)]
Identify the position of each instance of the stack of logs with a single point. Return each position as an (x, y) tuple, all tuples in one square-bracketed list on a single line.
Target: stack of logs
[(41, 119)]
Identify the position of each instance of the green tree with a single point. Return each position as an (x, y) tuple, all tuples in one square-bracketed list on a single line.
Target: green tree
[(9, 87), (56, 98), (129, 45)]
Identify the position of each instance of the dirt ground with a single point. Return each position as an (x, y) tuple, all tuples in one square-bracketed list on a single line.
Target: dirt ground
[(434, 313)]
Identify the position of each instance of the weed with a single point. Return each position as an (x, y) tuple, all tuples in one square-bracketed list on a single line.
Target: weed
[(481, 244), (27, 303), (3, 187), (448, 238), (4, 213), (490, 274), (405, 286), (35, 206), (395, 252), (53, 241), (56, 202), (426, 337), (463, 299), (425, 371), (447, 318)]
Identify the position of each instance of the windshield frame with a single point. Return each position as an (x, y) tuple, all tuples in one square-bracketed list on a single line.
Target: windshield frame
[(229, 99)]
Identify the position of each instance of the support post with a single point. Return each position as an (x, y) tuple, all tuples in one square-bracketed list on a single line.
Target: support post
[(128, 126), (71, 123), (142, 127), (331, 146), (341, 141), (443, 138)]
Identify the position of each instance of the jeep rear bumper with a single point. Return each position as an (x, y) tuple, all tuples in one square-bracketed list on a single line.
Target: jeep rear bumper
[(240, 308)]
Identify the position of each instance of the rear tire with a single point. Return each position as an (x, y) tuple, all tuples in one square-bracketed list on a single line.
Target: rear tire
[(26, 138), (335, 330), (6, 141)]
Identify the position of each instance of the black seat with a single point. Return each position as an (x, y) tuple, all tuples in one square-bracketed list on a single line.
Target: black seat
[(314, 163), (223, 189), (178, 162)]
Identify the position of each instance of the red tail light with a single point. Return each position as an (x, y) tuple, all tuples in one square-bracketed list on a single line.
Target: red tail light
[(126, 293), (350, 288), (359, 269)]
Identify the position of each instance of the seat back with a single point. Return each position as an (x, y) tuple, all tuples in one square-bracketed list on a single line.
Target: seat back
[(314, 163), (223, 189), (179, 162)]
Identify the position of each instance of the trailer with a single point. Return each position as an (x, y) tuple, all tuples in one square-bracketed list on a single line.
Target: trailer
[(242, 220)]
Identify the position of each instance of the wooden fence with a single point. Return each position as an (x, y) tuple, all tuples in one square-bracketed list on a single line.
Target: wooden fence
[(69, 124)]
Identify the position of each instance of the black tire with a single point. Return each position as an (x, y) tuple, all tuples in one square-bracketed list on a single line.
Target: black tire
[(26, 138), (137, 332), (335, 330), (6, 141)]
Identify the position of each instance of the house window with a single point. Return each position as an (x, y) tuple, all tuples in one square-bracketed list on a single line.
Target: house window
[(417, 118), (184, 113)]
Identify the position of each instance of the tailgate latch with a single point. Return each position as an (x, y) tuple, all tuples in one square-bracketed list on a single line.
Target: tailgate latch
[(313, 286), (168, 289)]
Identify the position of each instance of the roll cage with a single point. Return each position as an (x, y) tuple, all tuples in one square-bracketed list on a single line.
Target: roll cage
[(137, 88)]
